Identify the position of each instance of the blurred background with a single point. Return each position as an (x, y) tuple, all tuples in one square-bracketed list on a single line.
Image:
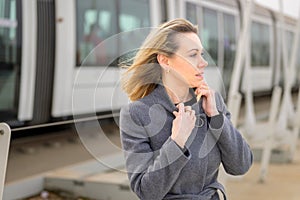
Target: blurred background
[(60, 90)]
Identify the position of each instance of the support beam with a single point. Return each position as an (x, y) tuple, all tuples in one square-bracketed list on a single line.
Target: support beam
[(296, 129), (295, 48), (293, 65), (241, 51), (234, 97), (286, 109), (269, 141), (250, 113), (4, 146)]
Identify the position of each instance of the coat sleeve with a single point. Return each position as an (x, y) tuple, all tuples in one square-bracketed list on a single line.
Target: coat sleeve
[(236, 154), (151, 173)]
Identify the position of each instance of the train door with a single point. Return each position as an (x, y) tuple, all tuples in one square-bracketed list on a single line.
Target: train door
[(290, 31), (261, 52), (17, 60), (90, 38)]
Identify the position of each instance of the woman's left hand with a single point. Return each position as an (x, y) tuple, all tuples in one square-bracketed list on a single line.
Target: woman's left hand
[(209, 101)]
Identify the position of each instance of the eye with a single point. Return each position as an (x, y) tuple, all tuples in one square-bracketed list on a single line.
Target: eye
[(193, 55), (202, 53)]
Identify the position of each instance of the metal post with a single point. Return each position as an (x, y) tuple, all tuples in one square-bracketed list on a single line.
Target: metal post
[(286, 106), (234, 97), (286, 102), (241, 51), (236, 101), (293, 65), (250, 119), (269, 142), (4, 146), (296, 129), (295, 48)]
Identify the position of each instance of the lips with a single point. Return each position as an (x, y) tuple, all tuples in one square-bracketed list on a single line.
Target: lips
[(199, 75)]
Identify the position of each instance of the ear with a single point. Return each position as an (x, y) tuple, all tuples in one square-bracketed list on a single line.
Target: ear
[(163, 61)]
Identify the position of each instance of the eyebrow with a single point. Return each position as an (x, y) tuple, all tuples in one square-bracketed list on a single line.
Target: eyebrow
[(195, 49)]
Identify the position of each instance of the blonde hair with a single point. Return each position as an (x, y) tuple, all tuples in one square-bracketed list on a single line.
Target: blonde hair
[(141, 78)]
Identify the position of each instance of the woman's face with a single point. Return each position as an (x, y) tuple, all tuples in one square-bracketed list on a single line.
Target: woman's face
[(187, 63)]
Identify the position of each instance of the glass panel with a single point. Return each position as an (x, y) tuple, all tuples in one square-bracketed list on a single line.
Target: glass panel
[(134, 14), (210, 33), (191, 13), (9, 57), (289, 41), (96, 21), (229, 47), (260, 45)]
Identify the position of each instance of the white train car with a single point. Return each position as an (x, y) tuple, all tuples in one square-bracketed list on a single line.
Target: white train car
[(47, 70), (58, 58), (83, 82)]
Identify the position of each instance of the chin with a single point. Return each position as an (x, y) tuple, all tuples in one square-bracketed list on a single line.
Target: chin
[(194, 84)]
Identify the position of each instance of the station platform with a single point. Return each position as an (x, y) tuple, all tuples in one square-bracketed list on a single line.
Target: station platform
[(63, 162), (89, 179)]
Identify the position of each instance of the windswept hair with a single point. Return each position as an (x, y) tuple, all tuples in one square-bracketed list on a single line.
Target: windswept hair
[(141, 78)]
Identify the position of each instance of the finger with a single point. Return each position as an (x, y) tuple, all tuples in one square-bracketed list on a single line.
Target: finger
[(187, 108), (198, 89), (206, 89), (175, 113), (194, 119), (181, 108), (203, 87), (204, 84), (177, 106), (205, 93), (201, 83), (191, 113)]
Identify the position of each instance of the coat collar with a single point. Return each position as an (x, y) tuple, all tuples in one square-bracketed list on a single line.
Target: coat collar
[(160, 96)]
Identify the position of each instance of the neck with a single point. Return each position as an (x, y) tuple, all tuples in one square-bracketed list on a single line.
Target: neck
[(177, 91)]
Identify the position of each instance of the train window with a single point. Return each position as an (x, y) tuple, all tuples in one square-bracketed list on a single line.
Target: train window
[(260, 45), (98, 20), (10, 48), (133, 14), (8, 32), (229, 46), (289, 41), (210, 33), (191, 13)]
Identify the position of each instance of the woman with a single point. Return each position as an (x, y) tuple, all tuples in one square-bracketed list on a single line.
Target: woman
[(174, 143)]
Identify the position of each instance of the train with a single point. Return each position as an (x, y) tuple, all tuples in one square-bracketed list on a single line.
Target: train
[(50, 71)]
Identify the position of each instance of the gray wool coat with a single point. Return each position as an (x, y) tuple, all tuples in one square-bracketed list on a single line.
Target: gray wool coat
[(159, 169)]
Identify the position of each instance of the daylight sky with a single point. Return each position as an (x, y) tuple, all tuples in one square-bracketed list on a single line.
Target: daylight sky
[(290, 7)]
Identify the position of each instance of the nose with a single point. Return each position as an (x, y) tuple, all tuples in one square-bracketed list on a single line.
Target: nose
[(202, 63)]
